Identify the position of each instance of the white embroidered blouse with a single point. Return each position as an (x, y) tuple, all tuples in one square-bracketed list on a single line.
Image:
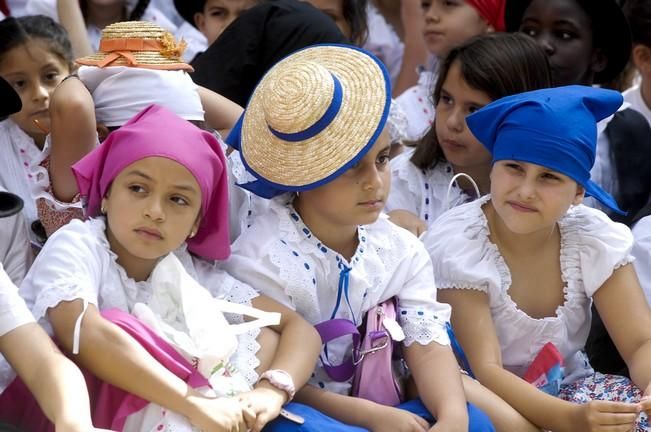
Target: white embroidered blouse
[(592, 247), (77, 263), (280, 255), (422, 192)]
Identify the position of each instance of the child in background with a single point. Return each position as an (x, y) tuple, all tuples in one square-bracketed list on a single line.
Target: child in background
[(323, 236), (147, 195), (521, 267), (349, 15), (638, 14), (447, 25), (56, 383), (115, 84), (35, 55), (479, 71), (211, 17)]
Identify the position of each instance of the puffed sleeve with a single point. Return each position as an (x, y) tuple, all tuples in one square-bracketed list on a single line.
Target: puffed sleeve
[(13, 310), (642, 254), (422, 317), (68, 268), (404, 194), (603, 245), (461, 252)]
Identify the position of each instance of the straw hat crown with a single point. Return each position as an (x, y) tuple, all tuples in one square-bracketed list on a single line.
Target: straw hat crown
[(139, 44), (313, 115)]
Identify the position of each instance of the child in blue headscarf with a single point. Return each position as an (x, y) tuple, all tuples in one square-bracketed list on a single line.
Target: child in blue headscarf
[(521, 267)]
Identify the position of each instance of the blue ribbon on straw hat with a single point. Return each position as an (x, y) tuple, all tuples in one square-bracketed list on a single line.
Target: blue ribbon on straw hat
[(313, 115), (555, 128)]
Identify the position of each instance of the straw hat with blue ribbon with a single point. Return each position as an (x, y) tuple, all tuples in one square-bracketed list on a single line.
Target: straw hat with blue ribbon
[(311, 117)]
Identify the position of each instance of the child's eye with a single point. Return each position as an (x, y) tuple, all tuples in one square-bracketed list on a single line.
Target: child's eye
[(179, 200), (473, 108), (445, 99), (550, 176), (218, 12), (18, 84), (565, 35), (529, 31), (449, 3), (514, 167), (137, 189), (383, 159), (51, 76), (425, 5)]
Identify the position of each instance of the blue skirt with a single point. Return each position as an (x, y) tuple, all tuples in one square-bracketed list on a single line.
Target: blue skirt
[(315, 421)]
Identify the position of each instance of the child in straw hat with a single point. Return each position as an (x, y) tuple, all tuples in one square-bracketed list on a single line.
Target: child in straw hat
[(138, 64), (313, 137)]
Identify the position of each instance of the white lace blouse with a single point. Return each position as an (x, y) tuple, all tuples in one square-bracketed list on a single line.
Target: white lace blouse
[(592, 247), (77, 263), (418, 104), (422, 192), (642, 254), (280, 255)]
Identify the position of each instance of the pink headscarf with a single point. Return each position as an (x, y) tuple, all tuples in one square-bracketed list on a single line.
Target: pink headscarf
[(155, 131), (492, 11)]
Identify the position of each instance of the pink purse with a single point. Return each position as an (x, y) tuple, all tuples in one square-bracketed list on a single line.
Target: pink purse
[(371, 362)]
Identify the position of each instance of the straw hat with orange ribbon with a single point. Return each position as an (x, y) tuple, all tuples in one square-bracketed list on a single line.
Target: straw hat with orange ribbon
[(138, 44)]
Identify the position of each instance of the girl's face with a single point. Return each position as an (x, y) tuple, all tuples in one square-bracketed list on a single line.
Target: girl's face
[(457, 101), (219, 14), (356, 197), (34, 72), (449, 23), (564, 31), (152, 207), (529, 198), (335, 10)]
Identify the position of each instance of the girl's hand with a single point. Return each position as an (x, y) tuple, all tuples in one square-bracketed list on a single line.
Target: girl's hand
[(645, 402), (389, 419), (605, 416), (219, 414), (265, 403)]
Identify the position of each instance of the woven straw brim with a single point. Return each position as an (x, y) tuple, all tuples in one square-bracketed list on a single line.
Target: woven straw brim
[(289, 93), (144, 59)]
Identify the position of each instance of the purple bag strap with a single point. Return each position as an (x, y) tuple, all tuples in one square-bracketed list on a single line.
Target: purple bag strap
[(330, 330)]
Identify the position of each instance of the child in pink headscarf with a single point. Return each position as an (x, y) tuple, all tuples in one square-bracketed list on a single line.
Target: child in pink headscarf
[(447, 24), (158, 218)]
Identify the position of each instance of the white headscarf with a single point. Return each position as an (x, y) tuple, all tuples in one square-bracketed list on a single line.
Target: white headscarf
[(121, 92)]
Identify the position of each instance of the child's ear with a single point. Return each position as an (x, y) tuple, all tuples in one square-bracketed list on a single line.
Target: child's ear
[(199, 21), (599, 61), (580, 194), (641, 57)]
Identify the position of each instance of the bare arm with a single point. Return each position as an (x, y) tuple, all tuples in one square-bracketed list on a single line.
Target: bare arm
[(438, 379), (221, 113), (415, 53), (73, 134), (56, 383), (621, 296), (474, 328), (72, 20), (113, 356)]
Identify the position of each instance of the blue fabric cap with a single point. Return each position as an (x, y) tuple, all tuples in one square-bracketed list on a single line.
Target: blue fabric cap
[(555, 128)]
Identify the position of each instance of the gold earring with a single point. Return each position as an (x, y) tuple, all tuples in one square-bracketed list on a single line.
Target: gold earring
[(192, 234), (102, 210)]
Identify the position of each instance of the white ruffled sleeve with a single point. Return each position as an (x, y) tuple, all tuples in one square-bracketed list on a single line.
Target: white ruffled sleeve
[(604, 245), (13, 311), (421, 316), (461, 253), (405, 185), (68, 268), (642, 254)]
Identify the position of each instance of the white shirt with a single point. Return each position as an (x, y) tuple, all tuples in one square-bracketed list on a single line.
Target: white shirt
[(279, 255), (642, 254), (422, 192), (13, 310), (418, 104), (77, 263), (13, 314), (634, 97), (15, 250), (592, 247), (20, 171), (384, 42)]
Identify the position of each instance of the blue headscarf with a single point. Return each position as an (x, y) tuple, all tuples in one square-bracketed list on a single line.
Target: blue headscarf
[(555, 128)]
